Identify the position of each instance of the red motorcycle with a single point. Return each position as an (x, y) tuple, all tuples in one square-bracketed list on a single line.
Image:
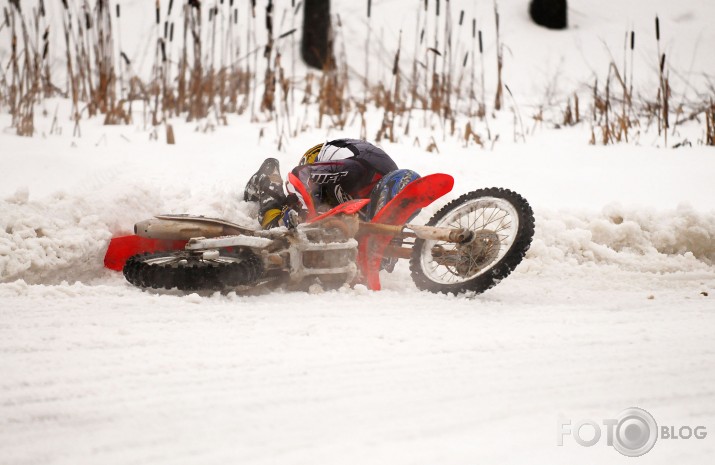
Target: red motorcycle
[(469, 245)]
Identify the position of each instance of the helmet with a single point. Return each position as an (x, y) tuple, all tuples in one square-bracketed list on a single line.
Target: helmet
[(388, 187), (309, 156)]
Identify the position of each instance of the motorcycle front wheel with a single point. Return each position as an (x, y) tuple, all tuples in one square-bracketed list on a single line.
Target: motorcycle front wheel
[(500, 226)]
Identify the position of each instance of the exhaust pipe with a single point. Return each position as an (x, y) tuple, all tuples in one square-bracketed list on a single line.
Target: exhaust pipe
[(178, 230)]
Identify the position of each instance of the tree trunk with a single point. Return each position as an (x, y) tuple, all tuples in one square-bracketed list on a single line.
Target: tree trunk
[(316, 46), (549, 13)]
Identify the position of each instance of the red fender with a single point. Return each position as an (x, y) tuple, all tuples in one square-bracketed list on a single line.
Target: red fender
[(350, 207), (417, 194), (300, 187), (123, 247)]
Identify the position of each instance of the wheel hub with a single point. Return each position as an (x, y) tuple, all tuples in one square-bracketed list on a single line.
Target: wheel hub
[(470, 257), (477, 253)]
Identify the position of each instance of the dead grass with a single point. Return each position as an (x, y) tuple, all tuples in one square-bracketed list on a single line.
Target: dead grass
[(710, 125), (206, 68)]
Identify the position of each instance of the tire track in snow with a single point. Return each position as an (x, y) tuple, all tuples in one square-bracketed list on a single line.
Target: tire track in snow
[(117, 375)]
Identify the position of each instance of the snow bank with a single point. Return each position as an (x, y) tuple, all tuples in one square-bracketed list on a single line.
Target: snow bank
[(634, 239), (63, 237)]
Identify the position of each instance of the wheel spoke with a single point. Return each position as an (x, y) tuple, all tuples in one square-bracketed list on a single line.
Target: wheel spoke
[(492, 219), (503, 227), (474, 224)]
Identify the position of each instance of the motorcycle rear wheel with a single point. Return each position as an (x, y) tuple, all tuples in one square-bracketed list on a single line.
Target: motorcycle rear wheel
[(187, 272), (501, 224)]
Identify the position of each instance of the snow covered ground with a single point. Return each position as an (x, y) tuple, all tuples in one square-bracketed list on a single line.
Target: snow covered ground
[(612, 308), (107, 374)]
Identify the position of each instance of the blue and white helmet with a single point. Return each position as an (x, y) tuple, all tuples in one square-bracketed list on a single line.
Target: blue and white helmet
[(388, 187)]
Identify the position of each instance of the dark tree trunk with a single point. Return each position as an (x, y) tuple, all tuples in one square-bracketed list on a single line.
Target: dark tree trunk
[(549, 13), (316, 46)]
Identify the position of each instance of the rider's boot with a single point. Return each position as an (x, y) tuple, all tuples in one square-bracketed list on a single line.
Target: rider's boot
[(266, 188), (268, 176)]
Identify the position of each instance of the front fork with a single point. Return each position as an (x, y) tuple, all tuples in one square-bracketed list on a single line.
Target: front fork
[(413, 231)]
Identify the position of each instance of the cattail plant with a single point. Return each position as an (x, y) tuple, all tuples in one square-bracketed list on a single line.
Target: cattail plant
[(211, 59), (500, 60), (196, 104), (663, 88), (387, 128), (367, 51), (269, 82), (630, 80)]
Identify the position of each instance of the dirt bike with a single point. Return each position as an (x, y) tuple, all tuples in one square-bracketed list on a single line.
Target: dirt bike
[(469, 245)]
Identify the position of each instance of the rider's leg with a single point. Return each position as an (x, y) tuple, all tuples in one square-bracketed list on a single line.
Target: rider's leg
[(386, 189), (266, 188)]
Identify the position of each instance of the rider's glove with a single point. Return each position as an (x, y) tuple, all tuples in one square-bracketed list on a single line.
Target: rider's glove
[(291, 218), (291, 211)]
